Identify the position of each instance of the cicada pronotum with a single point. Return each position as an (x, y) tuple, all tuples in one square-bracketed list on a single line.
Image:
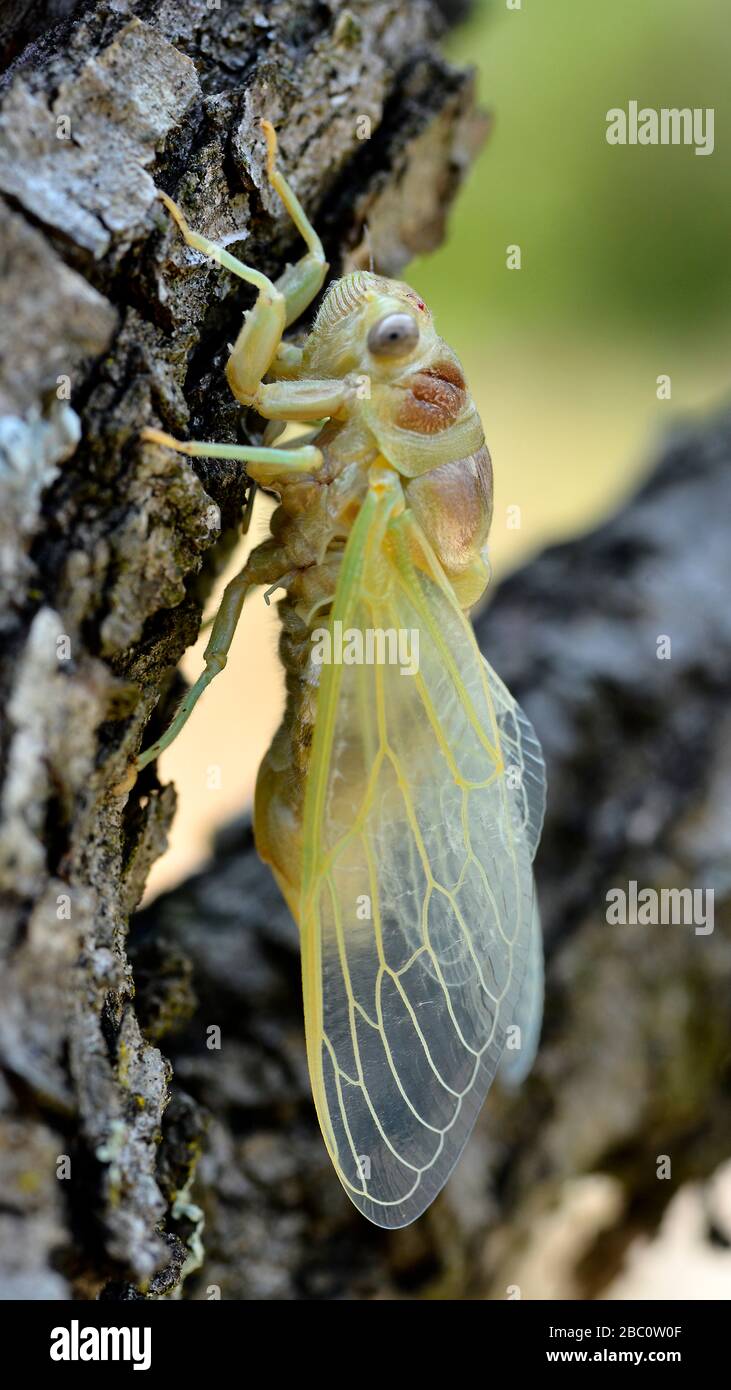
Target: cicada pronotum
[(401, 801)]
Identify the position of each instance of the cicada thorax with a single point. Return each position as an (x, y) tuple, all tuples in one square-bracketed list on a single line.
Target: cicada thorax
[(428, 428)]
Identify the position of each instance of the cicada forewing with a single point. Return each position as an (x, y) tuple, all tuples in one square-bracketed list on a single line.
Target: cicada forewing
[(417, 901)]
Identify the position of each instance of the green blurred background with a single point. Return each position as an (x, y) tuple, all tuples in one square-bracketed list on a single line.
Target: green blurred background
[(625, 276), (626, 271)]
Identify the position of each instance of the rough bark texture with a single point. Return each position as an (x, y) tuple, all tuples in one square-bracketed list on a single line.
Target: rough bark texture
[(634, 1061), (108, 323)]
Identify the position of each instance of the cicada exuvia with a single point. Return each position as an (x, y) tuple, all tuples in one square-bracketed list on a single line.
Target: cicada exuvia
[(400, 803)]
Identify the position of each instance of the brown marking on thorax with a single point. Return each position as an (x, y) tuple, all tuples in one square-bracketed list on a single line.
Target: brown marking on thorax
[(433, 400)]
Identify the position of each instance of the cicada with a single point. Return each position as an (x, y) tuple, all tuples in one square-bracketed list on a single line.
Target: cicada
[(401, 801)]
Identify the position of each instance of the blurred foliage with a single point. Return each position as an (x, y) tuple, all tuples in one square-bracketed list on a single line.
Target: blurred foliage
[(628, 235)]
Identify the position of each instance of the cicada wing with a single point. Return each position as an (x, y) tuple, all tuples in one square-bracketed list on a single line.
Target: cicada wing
[(417, 889), (526, 776), (525, 768), (520, 1053)]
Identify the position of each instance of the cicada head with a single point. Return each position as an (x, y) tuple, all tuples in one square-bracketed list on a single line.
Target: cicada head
[(372, 325), (417, 405)]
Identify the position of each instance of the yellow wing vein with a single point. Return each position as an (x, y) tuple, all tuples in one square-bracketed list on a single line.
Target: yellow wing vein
[(483, 875), (471, 945), (384, 970), (334, 1151), (412, 1014), (413, 592), (439, 579), (359, 821), (435, 722), (352, 1005), (413, 822)]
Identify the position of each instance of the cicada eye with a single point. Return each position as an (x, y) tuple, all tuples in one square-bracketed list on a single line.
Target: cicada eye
[(393, 336)]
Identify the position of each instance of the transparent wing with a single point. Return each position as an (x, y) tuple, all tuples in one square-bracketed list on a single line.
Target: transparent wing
[(516, 1062), (525, 768), (526, 775), (417, 889)]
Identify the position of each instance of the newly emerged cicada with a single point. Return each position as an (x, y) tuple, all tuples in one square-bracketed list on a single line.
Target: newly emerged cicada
[(401, 801)]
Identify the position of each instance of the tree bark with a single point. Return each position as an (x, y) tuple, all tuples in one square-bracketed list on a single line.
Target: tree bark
[(108, 323), (559, 1178)]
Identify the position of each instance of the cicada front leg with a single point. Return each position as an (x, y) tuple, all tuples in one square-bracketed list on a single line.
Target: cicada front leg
[(263, 465), (258, 348)]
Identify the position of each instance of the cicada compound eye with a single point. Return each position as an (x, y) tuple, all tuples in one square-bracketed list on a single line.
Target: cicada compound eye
[(393, 336)]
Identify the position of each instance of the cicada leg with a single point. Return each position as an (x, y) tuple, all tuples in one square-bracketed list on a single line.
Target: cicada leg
[(299, 283), (214, 658), (294, 289), (261, 334), (263, 465), (258, 347)]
